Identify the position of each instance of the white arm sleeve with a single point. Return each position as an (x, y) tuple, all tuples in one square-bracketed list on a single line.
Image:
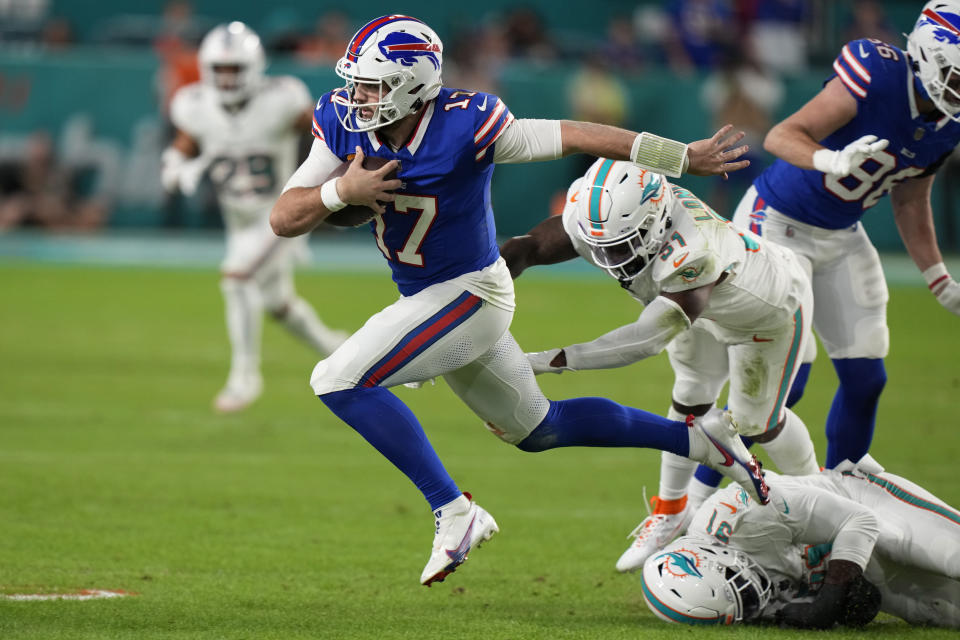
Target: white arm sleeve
[(820, 515), (659, 323), (527, 140), (315, 169)]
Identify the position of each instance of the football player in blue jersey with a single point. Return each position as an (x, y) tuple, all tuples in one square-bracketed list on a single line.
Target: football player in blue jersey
[(884, 122), (435, 227)]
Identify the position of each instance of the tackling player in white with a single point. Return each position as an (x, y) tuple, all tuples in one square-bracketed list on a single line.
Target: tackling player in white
[(242, 128), (830, 548), (722, 301)]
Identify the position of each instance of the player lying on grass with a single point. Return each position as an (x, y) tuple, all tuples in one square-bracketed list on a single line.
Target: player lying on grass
[(723, 302), (435, 227), (830, 549)]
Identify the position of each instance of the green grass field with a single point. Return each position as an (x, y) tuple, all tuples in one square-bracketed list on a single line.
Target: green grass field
[(282, 523)]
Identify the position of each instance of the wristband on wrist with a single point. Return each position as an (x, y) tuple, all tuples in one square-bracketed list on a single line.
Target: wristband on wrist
[(660, 155), (937, 277), (329, 196), (823, 160)]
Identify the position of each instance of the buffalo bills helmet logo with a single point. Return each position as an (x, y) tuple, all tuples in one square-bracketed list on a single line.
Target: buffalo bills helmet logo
[(404, 48), (946, 26)]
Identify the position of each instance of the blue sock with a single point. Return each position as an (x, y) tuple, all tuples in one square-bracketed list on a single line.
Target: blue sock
[(389, 425), (799, 384), (598, 422), (853, 413)]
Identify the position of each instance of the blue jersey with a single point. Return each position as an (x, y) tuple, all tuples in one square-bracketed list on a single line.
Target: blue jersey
[(441, 224), (879, 76)]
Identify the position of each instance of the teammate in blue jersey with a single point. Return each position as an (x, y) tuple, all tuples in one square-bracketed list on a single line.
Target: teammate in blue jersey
[(884, 122), (435, 227)]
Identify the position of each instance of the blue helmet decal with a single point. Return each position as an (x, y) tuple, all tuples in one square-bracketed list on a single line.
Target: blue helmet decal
[(404, 48)]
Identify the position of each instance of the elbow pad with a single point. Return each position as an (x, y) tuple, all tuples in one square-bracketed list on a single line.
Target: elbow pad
[(661, 321)]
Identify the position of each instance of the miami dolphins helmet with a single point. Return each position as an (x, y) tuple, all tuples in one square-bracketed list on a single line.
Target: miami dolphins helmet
[(695, 582), (622, 216)]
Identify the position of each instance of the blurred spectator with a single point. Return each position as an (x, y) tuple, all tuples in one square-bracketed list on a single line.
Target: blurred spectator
[(597, 95), (699, 31), (527, 36), (622, 49), (743, 94), (868, 19), (57, 34), (329, 39), (41, 192), (281, 31), (475, 58), (176, 46), (779, 31)]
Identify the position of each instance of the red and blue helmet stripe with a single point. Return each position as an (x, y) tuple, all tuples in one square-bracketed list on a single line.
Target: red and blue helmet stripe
[(356, 44)]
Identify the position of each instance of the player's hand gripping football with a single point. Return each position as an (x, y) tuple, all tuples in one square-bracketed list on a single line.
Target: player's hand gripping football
[(840, 163), (368, 188), (717, 155)]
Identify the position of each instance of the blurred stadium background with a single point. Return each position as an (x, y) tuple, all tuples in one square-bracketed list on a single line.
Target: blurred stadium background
[(89, 83), (280, 522)]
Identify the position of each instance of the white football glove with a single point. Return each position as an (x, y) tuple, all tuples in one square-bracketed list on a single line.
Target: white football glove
[(840, 163), (180, 172), (945, 288), (540, 361)]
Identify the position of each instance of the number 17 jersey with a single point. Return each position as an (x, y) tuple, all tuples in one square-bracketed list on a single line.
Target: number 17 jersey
[(441, 224), (880, 78)]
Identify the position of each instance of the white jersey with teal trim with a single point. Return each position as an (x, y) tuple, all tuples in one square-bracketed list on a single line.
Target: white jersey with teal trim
[(250, 152), (764, 282), (906, 538)]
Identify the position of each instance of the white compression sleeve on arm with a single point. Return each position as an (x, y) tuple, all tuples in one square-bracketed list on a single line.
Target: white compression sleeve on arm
[(528, 140), (316, 168), (658, 324)]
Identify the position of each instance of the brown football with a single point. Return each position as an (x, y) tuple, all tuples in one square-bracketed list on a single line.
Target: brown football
[(354, 215)]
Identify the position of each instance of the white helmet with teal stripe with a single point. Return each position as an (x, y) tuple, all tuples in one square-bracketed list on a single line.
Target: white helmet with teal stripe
[(622, 216), (692, 581)]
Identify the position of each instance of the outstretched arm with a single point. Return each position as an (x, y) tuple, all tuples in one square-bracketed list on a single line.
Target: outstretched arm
[(546, 243), (668, 315), (712, 156), (914, 217)]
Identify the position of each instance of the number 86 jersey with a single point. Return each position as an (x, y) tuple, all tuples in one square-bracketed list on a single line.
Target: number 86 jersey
[(879, 76)]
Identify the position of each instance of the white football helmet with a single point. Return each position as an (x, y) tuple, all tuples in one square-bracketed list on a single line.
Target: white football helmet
[(402, 58), (232, 61), (622, 216), (934, 46), (695, 582)]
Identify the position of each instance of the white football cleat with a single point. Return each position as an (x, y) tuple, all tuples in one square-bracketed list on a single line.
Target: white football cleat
[(238, 394), (655, 532), (726, 453), (459, 529)]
